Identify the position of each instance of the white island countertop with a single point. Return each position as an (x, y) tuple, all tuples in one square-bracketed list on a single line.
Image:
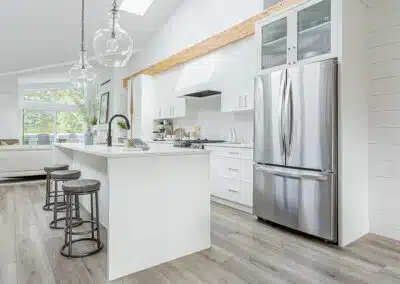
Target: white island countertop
[(122, 152), (154, 205)]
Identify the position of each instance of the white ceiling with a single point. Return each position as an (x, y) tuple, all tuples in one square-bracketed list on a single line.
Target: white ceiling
[(44, 32)]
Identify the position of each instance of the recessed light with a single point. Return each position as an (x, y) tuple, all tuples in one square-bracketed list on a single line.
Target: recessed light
[(138, 7)]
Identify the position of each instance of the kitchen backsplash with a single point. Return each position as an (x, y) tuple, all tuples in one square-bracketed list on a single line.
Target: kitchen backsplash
[(215, 124)]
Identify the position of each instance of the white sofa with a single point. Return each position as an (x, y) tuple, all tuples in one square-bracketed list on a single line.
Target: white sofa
[(24, 160)]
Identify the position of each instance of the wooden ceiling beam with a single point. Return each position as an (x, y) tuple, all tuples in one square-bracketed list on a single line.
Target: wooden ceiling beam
[(233, 34)]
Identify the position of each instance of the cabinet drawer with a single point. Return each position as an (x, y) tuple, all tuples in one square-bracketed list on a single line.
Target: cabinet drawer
[(233, 168), (229, 168), (236, 153), (233, 190), (230, 189)]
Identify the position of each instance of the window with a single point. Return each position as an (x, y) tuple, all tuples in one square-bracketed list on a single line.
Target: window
[(61, 96), (70, 122), (38, 127), (52, 115)]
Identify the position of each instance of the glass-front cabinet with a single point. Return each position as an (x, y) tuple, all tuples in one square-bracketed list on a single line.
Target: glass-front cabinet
[(274, 43), (307, 31)]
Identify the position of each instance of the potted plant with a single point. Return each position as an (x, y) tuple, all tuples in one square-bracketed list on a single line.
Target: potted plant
[(89, 112), (123, 127)]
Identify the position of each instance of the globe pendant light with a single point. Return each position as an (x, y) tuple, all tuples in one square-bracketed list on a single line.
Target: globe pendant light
[(82, 73), (113, 46)]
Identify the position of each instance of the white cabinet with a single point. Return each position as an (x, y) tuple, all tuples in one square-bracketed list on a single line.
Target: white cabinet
[(170, 108), (232, 175), (306, 32), (168, 105), (239, 62)]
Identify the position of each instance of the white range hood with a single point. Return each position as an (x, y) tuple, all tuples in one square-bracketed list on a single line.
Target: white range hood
[(200, 78)]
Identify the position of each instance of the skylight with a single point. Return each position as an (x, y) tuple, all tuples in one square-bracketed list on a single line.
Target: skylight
[(138, 7)]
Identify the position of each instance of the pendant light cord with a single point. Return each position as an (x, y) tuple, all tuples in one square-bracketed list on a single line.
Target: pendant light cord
[(83, 27), (114, 11), (83, 49)]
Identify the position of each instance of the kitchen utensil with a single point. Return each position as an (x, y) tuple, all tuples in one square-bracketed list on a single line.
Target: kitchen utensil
[(179, 133), (232, 136)]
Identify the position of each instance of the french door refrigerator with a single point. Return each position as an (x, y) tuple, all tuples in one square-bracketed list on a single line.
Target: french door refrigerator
[(295, 148)]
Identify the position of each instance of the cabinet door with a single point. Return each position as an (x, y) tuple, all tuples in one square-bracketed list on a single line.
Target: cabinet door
[(274, 42), (316, 29), (178, 107)]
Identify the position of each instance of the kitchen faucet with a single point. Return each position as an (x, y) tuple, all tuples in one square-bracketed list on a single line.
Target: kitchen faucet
[(109, 138)]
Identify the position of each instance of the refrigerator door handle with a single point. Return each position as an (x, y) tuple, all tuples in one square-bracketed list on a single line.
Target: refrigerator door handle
[(289, 115), (282, 122), (296, 174)]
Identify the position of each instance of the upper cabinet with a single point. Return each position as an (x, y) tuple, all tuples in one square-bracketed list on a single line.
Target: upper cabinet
[(274, 43), (238, 62), (314, 29), (307, 31)]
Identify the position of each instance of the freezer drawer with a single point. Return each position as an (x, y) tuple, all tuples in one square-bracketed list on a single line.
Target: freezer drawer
[(302, 200)]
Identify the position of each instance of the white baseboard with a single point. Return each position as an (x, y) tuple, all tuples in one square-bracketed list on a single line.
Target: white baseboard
[(231, 204)]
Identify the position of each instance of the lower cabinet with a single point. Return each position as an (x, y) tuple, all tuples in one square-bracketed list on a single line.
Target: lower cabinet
[(232, 175)]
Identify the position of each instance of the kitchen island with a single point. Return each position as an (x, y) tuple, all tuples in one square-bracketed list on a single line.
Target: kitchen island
[(154, 204)]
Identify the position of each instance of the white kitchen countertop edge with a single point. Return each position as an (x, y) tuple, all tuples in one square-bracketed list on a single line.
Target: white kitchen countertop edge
[(228, 145), (120, 152), (25, 148)]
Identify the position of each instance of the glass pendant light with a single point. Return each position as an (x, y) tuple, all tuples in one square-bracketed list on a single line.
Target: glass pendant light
[(82, 73), (113, 46)]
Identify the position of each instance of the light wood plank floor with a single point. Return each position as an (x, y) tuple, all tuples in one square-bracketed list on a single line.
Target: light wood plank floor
[(243, 251)]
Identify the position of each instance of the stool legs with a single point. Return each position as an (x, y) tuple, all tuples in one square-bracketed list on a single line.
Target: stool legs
[(66, 249), (63, 207), (69, 224), (77, 211), (55, 205), (91, 214), (51, 194), (47, 204), (97, 221)]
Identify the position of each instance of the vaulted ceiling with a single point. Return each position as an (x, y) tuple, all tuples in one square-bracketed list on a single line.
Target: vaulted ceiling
[(45, 32)]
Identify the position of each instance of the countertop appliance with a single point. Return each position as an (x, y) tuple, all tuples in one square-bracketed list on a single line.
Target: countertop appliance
[(295, 148), (196, 144)]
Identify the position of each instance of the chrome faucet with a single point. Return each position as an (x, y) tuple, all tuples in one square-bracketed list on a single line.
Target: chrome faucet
[(109, 138)]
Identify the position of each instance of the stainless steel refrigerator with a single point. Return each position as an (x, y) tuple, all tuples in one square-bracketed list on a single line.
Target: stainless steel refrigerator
[(295, 148)]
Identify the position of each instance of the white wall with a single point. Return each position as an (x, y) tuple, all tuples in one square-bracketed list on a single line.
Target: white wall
[(214, 123), (384, 117), (353, 123), (193, 22), (9, 127)]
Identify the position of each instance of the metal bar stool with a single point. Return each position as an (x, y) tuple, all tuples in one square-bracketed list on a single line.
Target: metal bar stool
[(63, 176), (50, 194), (77, 188)]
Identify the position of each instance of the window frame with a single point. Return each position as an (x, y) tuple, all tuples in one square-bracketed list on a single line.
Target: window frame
[(43, 106)]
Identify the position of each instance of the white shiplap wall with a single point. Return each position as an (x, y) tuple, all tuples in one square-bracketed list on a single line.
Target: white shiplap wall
[(384, 118)]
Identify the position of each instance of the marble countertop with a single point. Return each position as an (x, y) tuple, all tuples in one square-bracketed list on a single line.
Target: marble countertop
[(122, 152)]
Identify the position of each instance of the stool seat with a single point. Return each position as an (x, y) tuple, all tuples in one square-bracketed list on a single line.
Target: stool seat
[(81, 186), (66, 175), (56, 167)]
